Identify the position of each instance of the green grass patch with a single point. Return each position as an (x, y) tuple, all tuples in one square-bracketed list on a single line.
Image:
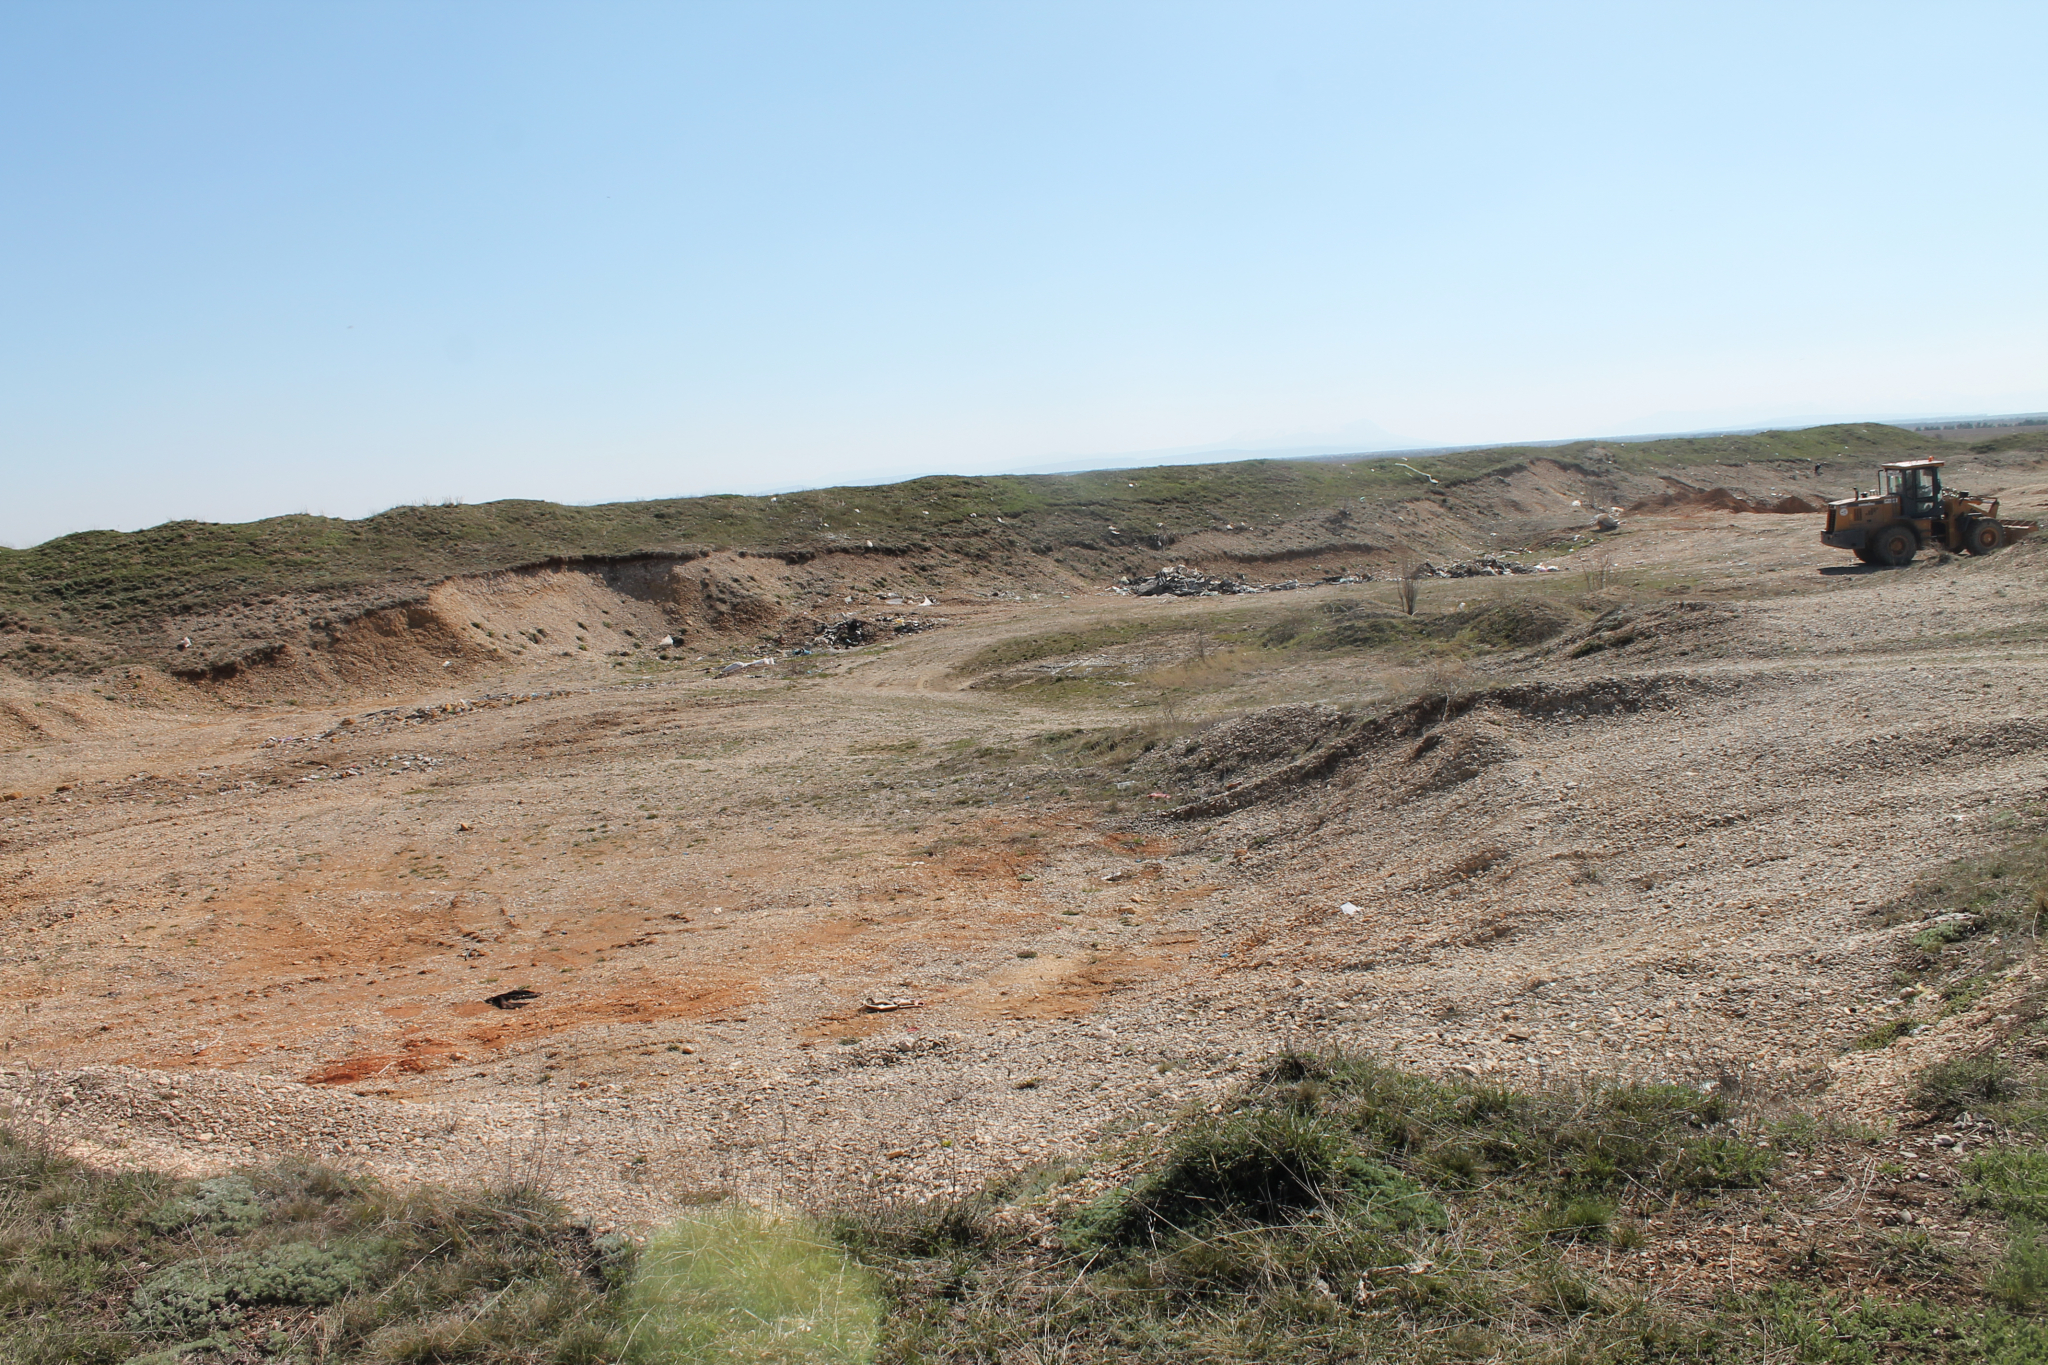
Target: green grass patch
[(740, 1285), (2011, 1180)]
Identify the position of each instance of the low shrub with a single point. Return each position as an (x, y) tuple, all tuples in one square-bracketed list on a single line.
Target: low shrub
[(1722, 1163), (1261, 1169), (226, 1204), (196, 1298), (1578, 1218), (1962, 1083)]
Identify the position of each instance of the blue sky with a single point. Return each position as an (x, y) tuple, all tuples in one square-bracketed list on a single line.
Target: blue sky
[(263, 258)]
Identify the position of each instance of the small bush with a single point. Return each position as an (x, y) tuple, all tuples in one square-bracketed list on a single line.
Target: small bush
[(192, 1299), (1723, 1163), (1884, 1035), (1262, 1168), (1911, 1254), (1946, 932), (226, 1204), (1578, 1218), (1266, 1168), (1949, 1088), (1632, 1132)]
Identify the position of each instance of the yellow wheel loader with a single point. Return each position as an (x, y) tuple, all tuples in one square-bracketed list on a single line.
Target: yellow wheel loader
[(1910, 511)]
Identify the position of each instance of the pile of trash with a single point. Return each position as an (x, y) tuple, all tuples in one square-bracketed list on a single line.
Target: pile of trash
[(848, 632), (1178, 580), (1486, 566), (851, 632)]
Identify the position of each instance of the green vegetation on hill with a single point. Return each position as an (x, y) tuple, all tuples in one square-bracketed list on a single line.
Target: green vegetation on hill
[(118, 584)]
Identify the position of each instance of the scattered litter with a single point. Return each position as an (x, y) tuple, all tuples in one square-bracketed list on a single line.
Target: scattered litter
[(744, 665), (884, 1006), (512, 1000), (394, 715), (1348, 908)]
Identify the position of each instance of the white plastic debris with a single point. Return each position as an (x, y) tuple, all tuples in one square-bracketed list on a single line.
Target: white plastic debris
[(1348, 908)]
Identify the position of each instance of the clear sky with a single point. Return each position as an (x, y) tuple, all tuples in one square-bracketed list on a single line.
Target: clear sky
[(260, 258)]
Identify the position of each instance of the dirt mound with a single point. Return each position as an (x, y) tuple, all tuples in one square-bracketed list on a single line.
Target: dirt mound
[(1645, 628), (1232, 747), (1515, 624), (1679, 494), (1508, 625), (1484, 745), (1458, 752)]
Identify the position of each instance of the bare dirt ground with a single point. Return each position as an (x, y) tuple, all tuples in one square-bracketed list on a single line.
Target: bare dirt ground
[(1657, 844)]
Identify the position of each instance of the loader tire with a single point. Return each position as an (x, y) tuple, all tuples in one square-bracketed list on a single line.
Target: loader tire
[(1895, 545), (1863, 553), (1982, 536)]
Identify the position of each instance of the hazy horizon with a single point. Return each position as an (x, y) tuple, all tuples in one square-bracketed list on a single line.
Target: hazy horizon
[(343, 258)]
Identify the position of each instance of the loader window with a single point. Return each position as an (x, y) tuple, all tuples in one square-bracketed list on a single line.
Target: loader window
[(1892, 478), (1922, 496)]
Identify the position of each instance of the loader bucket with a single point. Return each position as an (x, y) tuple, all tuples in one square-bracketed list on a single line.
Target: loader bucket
[(2016, 529)]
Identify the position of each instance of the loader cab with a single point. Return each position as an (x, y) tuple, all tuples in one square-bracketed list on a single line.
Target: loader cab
[(1917, 486)]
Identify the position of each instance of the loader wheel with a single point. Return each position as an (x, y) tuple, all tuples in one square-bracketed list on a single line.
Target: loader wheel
[(1982, 536), (1863, 553), (1896, 546)]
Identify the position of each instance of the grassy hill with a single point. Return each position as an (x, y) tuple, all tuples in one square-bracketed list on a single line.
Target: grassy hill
[(111, 584)]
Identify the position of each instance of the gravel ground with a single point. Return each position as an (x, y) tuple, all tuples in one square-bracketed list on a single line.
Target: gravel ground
[(1658, 845)]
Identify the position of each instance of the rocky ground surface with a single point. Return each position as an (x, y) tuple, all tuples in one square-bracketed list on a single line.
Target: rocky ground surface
[(854, 920)]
